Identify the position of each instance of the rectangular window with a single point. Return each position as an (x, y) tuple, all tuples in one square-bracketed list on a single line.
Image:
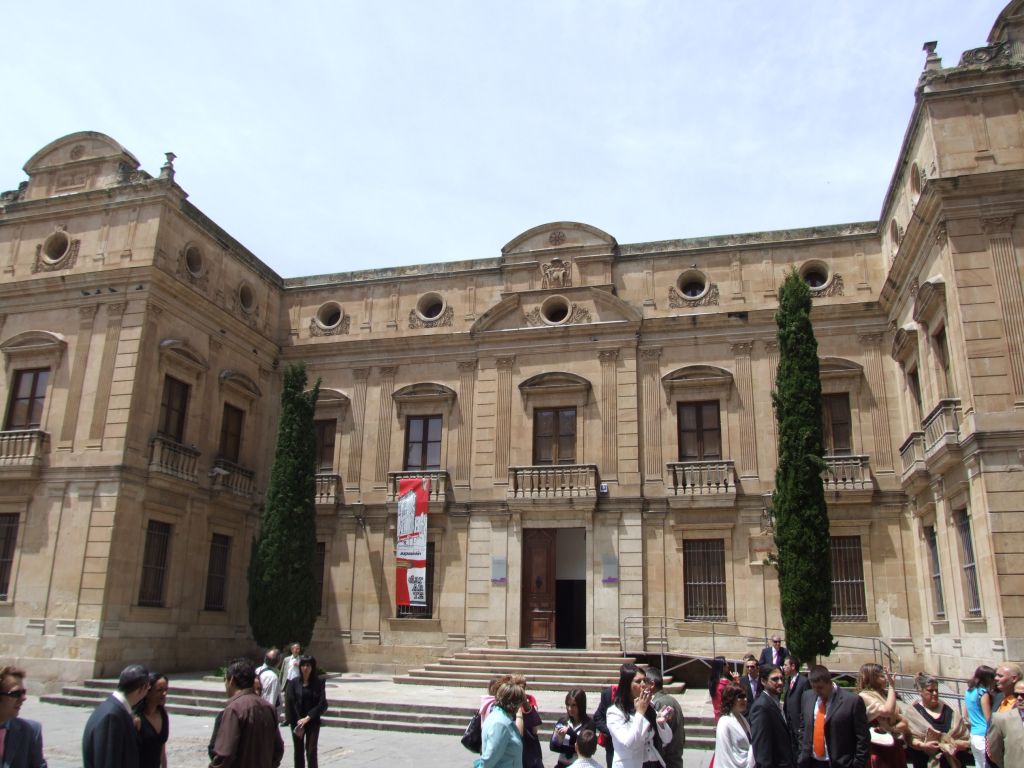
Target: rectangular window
[(321, 562), (942, 357), (422, 611), (914, 385), (554, 436), (423, 443), (217, 573), (972, 595), (8, 540), (849, 602), (835, 414), (231, 433), (154, 564), (933, 558), (325, 431), (28, 392), (173, 404), (700, 431), (704, 579)]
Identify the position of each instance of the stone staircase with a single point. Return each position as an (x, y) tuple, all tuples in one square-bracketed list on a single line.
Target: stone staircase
[(545, 670)]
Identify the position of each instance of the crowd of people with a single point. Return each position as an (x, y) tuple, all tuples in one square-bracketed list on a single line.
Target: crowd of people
[(775, 716)]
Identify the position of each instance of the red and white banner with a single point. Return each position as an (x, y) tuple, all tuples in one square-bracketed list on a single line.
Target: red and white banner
[(411, 543)]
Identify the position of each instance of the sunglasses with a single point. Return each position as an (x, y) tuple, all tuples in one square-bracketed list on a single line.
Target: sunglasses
[(17, 693), (742, 696)]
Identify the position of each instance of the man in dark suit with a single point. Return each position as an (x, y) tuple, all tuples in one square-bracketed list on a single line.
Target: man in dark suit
[(110, 739), (600, 719), (835, 725), (773, 654), (21, 741), (770, 739), (750, 681), (792, 696)]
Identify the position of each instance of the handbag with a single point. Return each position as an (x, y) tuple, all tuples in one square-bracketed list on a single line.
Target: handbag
[(472, 739)]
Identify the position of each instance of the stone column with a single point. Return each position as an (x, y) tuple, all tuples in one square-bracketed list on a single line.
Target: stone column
[(650, 370), (772, 350), (609, 414), (387, 388), (871, 343), (354, 476), (115, 316), (748, 424), (464, 452), (503, 417), (86, 320), (1011, 296)]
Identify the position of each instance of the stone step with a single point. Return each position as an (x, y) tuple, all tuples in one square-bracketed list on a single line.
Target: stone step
[(544, 653)]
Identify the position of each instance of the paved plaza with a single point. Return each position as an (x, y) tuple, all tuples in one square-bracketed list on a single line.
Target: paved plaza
[(62, 729)]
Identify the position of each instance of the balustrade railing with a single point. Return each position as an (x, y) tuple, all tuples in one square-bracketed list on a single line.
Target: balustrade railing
[(22, 447), (552, 482), (328, 489), (943, 423), (912, 452), (172, 458), (702, 478), (439, 484), (228, 476), (847, 473)]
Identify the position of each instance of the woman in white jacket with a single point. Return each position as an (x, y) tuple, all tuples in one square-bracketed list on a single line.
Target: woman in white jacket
[(732, 736), (633, 723)]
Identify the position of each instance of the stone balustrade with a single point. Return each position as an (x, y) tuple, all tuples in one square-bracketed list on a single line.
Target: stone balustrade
[(439, 484), (168, 457), (234, 478), (329, 489), (702, 478), (942, 425), (558, 481), (22, 449), (847, 473)]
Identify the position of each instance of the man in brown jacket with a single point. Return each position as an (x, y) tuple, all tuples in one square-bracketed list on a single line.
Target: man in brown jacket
[(247, 734)]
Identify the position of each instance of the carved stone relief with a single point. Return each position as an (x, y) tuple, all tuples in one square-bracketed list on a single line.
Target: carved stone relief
[(64, 262), (709, 299), (578, 315), (444, 319), (315, 329), (834, 287), (556, 274)]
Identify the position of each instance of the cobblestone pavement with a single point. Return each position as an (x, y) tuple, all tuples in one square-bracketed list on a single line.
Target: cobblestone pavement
[(62, 739)]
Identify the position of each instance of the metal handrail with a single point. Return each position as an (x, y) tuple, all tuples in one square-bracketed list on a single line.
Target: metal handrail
[(879, 649)]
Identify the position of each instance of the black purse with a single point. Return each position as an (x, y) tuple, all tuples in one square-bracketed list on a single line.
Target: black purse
[(472, 739)]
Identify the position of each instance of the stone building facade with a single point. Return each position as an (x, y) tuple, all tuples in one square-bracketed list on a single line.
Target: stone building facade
[(594, 417)]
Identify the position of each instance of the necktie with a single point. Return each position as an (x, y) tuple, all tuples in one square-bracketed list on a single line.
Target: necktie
[(819, 730)]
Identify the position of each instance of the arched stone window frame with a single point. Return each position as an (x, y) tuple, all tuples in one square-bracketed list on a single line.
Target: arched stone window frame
[(557, 389), (699, 383), (838, 376), (32, 349), (180, 360), (905, 353), (931, 312), (333, 404), (424, 399)]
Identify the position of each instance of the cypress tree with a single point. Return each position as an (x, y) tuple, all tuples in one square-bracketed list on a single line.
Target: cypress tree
[(801, 516), (283, 602)]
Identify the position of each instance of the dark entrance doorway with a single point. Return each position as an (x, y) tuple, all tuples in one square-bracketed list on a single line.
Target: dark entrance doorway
[(554, 588)]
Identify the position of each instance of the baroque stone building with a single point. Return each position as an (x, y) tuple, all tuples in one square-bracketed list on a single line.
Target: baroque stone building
[(594, 418)]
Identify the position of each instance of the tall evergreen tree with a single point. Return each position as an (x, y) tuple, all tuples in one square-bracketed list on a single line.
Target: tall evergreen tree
[(283, 602), (801, 516)]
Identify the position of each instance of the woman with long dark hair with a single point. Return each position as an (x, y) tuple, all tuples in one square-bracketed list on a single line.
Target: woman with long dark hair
[(877, 689), (635, 728), (306, 702), (978, 700), (732, 734), (563, 740), (153, 724), (718, 678)]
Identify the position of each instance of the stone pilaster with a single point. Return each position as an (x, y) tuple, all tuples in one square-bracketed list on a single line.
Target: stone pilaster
[(86, 321), (609, 414), (771, 348), (748, 424), (115, 317), (464, 451), (384, 419), (503, 417), (354, 476), (871, 343), (1011, 295), (650, 375)]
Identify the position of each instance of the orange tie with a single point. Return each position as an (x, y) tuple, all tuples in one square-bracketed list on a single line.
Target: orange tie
[(819, 731)]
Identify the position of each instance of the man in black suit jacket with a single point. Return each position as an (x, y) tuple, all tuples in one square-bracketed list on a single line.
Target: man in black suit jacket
[(23, 742), (769, 735), (110, 739), (600, 719), (792, 696), (774, 653), (750, 681), (846, 737)]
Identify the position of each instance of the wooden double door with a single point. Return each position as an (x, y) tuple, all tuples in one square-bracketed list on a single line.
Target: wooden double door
[(553, 611)]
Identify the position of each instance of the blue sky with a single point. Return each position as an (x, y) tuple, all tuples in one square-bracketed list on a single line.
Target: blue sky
[(330, 137)]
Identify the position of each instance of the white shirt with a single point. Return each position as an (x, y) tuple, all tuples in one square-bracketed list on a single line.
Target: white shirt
[(732, 743), (633, 739), (291, 667), (271, 684)]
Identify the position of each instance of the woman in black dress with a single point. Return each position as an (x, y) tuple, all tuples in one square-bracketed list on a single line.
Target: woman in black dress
[(153, 724), (306, 702), (939, 736)]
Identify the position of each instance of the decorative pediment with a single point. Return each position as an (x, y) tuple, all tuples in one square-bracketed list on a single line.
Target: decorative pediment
[(79, 162), (698, 379), (331, 399), (839, 375), (565, 385), (180, 352), (239, 383), (29, 346), (559, 235), (904, 344), (930, 301), (540, 309), (424, 396)]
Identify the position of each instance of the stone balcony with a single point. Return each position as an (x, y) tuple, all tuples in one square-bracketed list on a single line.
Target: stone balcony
[(168, 457), (557, 482), (329, 490), (848, 477), (227, 476), (440, 485), (21, 453), (703, 483), (915, 471), (942, 435)]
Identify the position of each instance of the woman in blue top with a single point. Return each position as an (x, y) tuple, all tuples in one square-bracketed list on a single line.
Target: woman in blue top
[(979, 710), (502, 733)]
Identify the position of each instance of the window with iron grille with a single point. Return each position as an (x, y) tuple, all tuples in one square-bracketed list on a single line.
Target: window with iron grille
[(231, 433), (849, 602), (972, 595), (217, 572), (554, 436), (422, 611), (321, 562), (704, 579), (933, 558), (423, 443), (8, 540), (700, 431), (28, 392), (154, 564), (836, 425), (325, 430), (173, 405)]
